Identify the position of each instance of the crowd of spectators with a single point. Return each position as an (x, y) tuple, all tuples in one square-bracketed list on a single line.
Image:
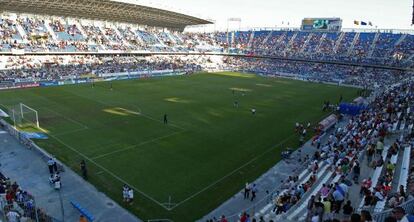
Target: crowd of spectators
[(19, 204), (66, 36), (370, 48), (360, 139), (37, 68), (341, 152), (71, 35), (396, 101), (8, 33), (361, 76), (369, 130)]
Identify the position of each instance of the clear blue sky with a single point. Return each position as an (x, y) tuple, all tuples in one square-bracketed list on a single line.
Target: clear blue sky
[(270, 13)]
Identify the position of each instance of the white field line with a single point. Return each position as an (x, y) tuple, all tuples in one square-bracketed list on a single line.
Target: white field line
[(157, 120), (232, 172), (137, 107), (7, 107), (97, 164), (67, 118), (70, 132), (144, 194), (110, 172), (4, 106), (136, 145), (115, 143)]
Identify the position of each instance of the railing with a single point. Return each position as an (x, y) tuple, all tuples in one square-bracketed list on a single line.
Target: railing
[(27, 207), (267, 199), (408, 207), (28, 143)]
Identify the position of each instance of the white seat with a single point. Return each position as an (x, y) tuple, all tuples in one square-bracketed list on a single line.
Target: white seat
[(314, 192), (376, 175), (405, 167), (379, 207), (402, 126), (303, 177), (394, 126)]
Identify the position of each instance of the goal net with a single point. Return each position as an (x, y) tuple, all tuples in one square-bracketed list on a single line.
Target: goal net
[(24, 116)]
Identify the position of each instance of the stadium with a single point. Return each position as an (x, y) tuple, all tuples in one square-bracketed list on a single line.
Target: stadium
[(122, 111)]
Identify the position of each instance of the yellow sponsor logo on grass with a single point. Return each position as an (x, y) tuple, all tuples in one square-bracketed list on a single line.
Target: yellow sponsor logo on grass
[(120, 111), (177, 100), (241, 89)]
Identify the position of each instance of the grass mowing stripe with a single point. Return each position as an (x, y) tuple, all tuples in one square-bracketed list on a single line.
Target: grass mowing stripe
[(234, 171), (136, 145), (69, 132), (137, 107), (157, 120), (186, 167), (67, 118), (109, 172), (57, 113)]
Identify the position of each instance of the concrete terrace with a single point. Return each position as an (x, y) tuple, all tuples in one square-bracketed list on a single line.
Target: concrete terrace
[(30, 171)]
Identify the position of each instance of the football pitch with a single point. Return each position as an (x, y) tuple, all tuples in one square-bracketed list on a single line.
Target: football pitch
[(203, 156)]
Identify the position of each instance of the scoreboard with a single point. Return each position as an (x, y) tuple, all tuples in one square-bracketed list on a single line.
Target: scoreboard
[(322, 24)]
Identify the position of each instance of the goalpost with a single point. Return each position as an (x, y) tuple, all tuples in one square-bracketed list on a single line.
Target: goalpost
[(29, 114)]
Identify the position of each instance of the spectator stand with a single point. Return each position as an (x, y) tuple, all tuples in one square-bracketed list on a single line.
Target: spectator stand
[(15, 202), (379, 207), (264, 204), (408, 207)]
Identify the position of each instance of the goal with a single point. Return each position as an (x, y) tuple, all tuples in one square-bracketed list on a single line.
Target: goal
[(24, 115)]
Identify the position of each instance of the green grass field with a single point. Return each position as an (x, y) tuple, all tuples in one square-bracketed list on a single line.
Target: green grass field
[(202, 157)]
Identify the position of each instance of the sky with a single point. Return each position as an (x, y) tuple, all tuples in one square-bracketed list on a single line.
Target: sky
[(387, 14)]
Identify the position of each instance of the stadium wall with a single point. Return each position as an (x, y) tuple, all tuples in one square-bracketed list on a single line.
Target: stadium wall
[(103, 78)]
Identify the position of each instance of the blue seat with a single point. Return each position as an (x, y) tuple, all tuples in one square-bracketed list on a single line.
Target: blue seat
[(83, 211)]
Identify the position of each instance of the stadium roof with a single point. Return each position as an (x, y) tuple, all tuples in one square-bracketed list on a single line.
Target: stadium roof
[(107, 10)]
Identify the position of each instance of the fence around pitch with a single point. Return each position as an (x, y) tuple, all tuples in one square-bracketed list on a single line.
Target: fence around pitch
[(29, 143), (38, 214)]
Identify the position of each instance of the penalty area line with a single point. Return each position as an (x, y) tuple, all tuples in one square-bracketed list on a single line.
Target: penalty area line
[(110, 173), (59, 114), (132, 147), (136, 106), (69, 132), (67, 118)]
